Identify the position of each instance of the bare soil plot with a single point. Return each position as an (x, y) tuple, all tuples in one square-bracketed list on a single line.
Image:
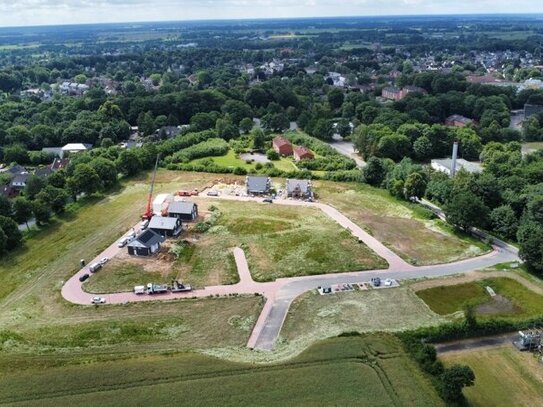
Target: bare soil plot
[(398, 225), (504, 376)]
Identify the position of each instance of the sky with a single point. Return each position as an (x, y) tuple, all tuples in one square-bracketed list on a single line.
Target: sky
[(40, 12)]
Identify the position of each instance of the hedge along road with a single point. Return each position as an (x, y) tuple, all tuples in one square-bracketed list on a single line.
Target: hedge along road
[(280, 293)]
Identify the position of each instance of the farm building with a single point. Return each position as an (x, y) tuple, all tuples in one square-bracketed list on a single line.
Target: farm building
[(457, 120), (186, 211), (165, 226), (282, 146), (299, 188), (161, 203), (445, 165), (258, 185), (146, 244), (303, 153)]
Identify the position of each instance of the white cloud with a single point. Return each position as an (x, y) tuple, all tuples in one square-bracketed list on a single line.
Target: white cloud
[(24, 12)]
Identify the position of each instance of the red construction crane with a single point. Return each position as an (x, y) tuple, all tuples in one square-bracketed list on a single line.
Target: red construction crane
[(148, 214)]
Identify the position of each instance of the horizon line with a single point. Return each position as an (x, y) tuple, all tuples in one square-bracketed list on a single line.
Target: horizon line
[(247, 19)]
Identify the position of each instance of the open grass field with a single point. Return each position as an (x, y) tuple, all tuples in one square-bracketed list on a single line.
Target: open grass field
[(398, 225), (231, 160), (313, 316), (513, 299), (504, 376), (284, 241), (368, 371)]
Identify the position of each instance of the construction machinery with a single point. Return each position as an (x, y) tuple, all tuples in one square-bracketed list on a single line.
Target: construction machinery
[(157, 288), (179, 287), (148, 214)]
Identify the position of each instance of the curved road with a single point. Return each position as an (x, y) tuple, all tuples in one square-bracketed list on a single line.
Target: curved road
[(280, 293)]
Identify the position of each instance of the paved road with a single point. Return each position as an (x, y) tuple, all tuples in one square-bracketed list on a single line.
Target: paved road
[(279, 294), (347, 149), (475, 343)]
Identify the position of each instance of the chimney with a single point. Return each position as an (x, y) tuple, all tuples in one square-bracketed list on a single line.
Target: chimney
[(454, 156)]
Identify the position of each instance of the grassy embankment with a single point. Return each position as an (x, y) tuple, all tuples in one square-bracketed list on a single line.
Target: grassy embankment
[(399, 225)]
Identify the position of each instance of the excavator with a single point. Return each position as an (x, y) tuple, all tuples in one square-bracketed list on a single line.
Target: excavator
[(148, 214)]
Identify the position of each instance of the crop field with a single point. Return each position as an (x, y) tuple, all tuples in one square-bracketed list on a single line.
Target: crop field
[(358, 370), (512, 300), (398, 225), (504, 376), (313, 316)]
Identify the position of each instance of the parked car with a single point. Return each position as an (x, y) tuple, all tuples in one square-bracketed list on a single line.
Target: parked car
[(83, 277), (388, 282), (104, 260), (267, 200), (145, 224), (94, 267), (212, 193), (98, 300), (376, 281), (123, 242)]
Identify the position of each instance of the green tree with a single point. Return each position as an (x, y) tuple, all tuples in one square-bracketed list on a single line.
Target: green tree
[(55, 198), (83, 180), (34, 185), (81, 78), (22, 210), (106, 170), (129, 162), (422, 147), (3, 241), (335, 98), (272, 155), (530, 239), (415, 186), (258, 139), (375, 171), (453, 380), (465, 210), (504, 221), (42, 212), (5, 207), (11, 229), (245, 125)]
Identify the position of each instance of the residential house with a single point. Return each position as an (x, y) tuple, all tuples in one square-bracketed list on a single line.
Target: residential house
[(303, 153), (145, 244), (299, 188), (457, 120), (186, 211), (165, 226), (406, 90), (258, 185), (391, 93), (282, 146), (18, 182)]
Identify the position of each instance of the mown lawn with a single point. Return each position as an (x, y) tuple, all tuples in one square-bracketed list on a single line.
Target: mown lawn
[(504, 376), (521, 301), (399, 225), (369, 371), (313, 316)]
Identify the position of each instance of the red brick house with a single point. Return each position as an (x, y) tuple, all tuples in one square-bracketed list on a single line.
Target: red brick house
[(457, 120), (392, 93), (303, 153), (282, 146)]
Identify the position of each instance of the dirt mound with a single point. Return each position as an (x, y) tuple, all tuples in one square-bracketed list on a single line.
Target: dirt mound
[(497, 305)]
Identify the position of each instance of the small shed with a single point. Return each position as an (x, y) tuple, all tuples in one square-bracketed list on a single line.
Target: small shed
[(145, 244), (165, 226), (186, 211), (282, 146), (303, 153)]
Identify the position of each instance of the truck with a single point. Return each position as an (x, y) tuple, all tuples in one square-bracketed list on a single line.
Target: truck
[(157, 288), (139, 289), (179, 287)]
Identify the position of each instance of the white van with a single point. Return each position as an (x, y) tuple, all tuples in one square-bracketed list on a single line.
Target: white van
[(139, 289)]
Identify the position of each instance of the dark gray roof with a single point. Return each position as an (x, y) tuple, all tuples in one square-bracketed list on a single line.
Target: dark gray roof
[(257, 184), (162, 222), (303, 184), (146, 239), (43, 172), (19, 178), (181, 207), (16, 169)]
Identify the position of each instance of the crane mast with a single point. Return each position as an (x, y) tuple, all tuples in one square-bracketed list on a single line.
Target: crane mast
[(148, 214)]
